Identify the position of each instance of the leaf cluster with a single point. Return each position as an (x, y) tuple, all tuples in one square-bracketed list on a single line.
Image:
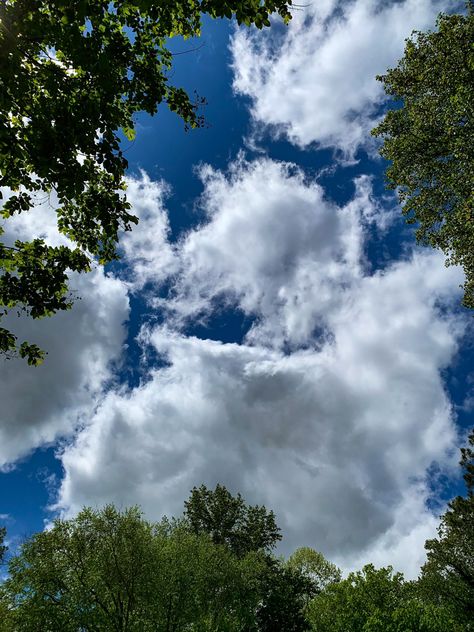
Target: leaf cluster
[(230, 521), (3, 547), (448, 575), (429, 139), (315, 567), (112, 570), (377, 600)]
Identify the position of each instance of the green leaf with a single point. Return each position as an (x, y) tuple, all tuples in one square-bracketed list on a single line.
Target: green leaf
[(129, 132)]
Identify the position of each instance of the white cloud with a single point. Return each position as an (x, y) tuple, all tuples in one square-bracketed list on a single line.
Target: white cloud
[(148, 255), (316, 83), (405, 538), (336, 437), (44, 403), (275, 247), (336, 441), (335, 432), (40, 405)]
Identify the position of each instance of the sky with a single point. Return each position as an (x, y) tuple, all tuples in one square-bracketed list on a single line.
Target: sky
[(271, 326)]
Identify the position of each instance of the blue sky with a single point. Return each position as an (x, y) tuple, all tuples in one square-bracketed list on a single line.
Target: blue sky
[(272, 325)]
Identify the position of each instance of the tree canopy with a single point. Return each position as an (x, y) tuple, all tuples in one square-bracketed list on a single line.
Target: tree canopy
[(72, 76), (114, 570), (230, 521), (448, 575), (429, 138), (3, 547), (284, 593), (313, 565), (376, 600)]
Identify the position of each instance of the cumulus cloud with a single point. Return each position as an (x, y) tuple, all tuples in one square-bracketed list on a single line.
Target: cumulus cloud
[(148, 255), (337, 441), (41, 404), (275, 247), (334, 433), (329, 412), (316, 83)]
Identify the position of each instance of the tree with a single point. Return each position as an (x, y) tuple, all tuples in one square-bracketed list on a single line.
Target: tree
[(315, 567), (87, 573), (351, 603), (244, 530), (114, 571), (228, 520), (72, 75), (376, 600), (199, 585), (107, 570), (429, 139), (448, 575), (3, 547), (284, 593), (4, 609)]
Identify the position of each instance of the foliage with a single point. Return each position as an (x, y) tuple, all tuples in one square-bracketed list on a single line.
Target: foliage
[(375, 600), (111, 570), (315, 567), (467, 464), (363, 597), (228, 520), (4, 607), (107, 570), (6, 624), (72, 76), (244, 530), (430, 139), (415, 615), (284, 592), (35, 277), (448, 575), (3, 547)]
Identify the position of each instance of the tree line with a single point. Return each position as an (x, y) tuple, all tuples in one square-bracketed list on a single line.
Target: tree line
[(213, 570)]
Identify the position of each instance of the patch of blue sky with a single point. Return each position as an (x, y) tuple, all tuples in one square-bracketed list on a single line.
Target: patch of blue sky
[(27, 492)]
